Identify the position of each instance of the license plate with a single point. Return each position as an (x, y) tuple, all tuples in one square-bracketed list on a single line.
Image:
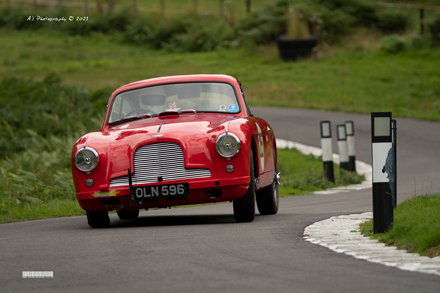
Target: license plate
[(166, 190)]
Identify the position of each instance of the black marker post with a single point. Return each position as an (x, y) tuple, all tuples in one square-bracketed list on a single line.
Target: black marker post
[(393, 180), (349, 127), (343, 148), (383, 165), (327, 151)]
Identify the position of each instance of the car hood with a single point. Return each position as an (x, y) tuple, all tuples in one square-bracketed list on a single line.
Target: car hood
[(196, 134)]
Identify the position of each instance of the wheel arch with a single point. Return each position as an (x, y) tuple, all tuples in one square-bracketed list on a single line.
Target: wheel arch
[(254, 156)]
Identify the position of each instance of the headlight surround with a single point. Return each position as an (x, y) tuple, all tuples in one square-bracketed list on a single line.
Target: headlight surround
[(86, 159), (227, 145)]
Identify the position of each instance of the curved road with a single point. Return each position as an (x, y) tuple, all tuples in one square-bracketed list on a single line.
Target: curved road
[(202, 249)]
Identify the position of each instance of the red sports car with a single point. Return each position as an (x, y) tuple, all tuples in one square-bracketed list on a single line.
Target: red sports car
[(178, 140)]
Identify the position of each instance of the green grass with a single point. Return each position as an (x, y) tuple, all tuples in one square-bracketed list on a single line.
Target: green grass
[(362, 79), (39, 210), (416, 226), (303, 174)]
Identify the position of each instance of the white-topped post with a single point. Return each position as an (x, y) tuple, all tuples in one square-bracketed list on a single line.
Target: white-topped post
[(383, 171), (349, 127), (343, 148), (327, 151)]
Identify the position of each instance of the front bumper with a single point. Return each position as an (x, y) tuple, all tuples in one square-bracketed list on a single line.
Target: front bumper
[(206, 190)]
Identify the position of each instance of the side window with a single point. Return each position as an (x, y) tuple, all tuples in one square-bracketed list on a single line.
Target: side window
[(121, 107), (125, 107), (245, 101)]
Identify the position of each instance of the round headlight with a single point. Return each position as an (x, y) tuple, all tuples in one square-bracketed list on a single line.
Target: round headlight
[(227, 145), (86, 159)]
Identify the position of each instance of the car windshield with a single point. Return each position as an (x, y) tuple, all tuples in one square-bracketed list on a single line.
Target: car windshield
[(201, 97)]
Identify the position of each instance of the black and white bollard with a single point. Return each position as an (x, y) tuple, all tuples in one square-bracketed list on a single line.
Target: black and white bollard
[(393, 179), (327, 151), (344, 163), (383, 155), (349, 127)]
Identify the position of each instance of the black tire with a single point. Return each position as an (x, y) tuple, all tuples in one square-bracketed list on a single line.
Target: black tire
[(268, 198), (98, 219), (244, 207), (128, 215)]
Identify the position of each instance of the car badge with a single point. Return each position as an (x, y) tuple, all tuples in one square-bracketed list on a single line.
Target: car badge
[(172, 106)]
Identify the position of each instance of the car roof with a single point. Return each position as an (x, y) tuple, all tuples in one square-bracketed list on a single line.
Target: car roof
[(178, 78)]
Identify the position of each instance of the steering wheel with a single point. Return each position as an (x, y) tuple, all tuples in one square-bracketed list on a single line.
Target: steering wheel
[(145, 111)]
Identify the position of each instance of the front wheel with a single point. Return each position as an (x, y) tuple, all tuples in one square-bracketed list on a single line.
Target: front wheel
[(98, 219), (244, 207), (268, 199)]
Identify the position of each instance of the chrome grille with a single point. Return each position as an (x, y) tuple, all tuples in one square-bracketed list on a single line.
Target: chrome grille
[(156, 160)]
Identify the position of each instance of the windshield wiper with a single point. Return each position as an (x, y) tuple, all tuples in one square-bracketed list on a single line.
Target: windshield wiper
[(166, 113), (127, 119), (177, 113)]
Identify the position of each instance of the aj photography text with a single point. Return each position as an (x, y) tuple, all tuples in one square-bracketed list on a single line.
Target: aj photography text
[(57, 19)]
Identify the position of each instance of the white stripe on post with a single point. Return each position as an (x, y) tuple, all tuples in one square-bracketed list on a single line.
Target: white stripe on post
[(343, 148)]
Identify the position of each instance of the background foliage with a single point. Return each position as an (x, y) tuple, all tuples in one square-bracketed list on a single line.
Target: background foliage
[(40, 122), (32, 112), (330, 20)]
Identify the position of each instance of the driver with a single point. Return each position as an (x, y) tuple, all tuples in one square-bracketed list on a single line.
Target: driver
[(154, 101)]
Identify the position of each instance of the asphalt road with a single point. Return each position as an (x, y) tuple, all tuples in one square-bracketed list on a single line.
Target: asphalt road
[(202, 249)]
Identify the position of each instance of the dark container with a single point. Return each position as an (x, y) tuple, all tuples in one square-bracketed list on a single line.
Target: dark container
[(291, 50)]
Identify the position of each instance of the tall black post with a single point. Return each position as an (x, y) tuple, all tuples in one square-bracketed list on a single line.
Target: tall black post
[(327, 151), (349, 127), (383, 171), (344, 163), (393, 179)]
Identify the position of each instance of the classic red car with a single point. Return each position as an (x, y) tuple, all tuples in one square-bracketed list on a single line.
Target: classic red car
[(178, 140)]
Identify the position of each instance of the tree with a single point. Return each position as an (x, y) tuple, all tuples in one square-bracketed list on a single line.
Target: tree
[(110, 6)]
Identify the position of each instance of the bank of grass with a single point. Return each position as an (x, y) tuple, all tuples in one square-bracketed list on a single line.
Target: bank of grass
[(416, 226), (41, 210), (360, 79), (303, 174)]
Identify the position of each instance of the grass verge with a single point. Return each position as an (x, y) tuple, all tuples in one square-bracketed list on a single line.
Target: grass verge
[(416, 226), (40, 210), (303, 174)]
